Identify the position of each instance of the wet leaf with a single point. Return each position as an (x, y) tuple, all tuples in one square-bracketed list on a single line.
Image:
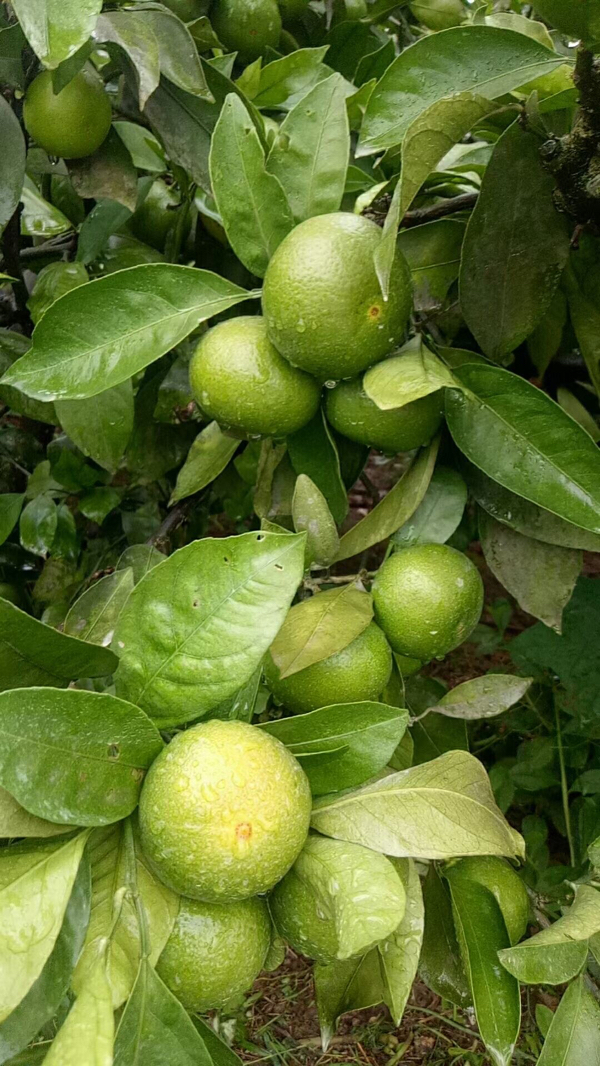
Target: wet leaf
[(346, 986), (94, 614), (320, 627), (101, 425), (557, 953), (440, 965), (10, 509), (406, 377), (399, 953), (56, 29), (573, 1038), (12, 165), (207, 458), (313, 452), (483, 697), (312, 516), (86, 1037), (440, 512), (135, 37)]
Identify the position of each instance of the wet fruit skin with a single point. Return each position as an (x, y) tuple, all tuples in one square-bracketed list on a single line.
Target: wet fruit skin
[(427, 600), (353, 414), (322, 301), (247, 27), (292, 9), (359, 672), (224, 812), (215, 952), (240, 379), (157, 216), (71, 124), (439, 14), (504, 883)]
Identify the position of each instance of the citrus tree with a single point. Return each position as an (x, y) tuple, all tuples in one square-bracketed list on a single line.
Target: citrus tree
[(250, 250)]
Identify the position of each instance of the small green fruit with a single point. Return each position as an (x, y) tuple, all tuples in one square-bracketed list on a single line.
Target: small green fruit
[(157, 216), (439, 14), (353, 414), (71, 123), (215, 952), (247, 27)]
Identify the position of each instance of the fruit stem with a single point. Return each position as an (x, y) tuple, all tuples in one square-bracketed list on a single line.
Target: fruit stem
[(563, 783), (132, 887)]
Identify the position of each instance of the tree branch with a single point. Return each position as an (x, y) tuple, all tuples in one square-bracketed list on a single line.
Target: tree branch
[(465, 202)]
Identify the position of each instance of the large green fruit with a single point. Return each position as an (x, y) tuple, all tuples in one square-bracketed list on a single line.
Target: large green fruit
[(72, 123), (359, 672), (439, 14), (353, 414), (247, 27), (299, 914), (240, 379), (322, 300), (504, 883), (575, 18), (215, 952), (428, 599), (224, 812), (157, 216)]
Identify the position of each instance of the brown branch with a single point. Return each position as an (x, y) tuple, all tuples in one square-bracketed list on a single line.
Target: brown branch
[(465, 202), (172, 521)]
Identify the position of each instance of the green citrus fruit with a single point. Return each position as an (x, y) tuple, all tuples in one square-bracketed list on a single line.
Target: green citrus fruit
[(322, 301), (122, 251), (504, 883), (360, 671), (157, 216), (292, 9), (576, 18), (428, 599), (299, 915), (187, 10), (72, 123), (215, 952), (247, 27), (439, 14), (240, 379), (354, 415), (224, 812)]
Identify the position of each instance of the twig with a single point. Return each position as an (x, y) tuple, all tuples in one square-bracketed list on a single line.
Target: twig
[(465, 202), (174, 518), (43, 251)]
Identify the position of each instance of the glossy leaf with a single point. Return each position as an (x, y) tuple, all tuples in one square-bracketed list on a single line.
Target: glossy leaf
[(312, 516), (399, 953), (36, 654), (56, 29), (101, 334), (475, 59), (35, 888), (250, 200), (86, 1038), (101, 425), (313, 452), (207, 458), (395, 509), (10, 509), (439, 514), (39, 217), (45, 996), (285, 81), (310, 153), (178, 55), (155, 1029), (12, 164), (483, 697), (440, 964), (320, 627), (519, 437), (222, 1054), (442, 808), (406, 377), (481, 934), (516, 212), (38, 524), (53, 282), (434, 735), (144, 148), (433, 253), (574, 1035), (135, 37), (225, 600), (108, 173), (346, 986), (557, 953), (582, 284), (363, 735), (569, 403), (540, 576), (94, 614), (184, 124), (72, 756), (16, 822), (141, 558)]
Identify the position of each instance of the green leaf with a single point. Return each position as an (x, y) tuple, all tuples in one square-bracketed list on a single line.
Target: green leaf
[(582, 285), (312, 516), (46, 994), (56, 29), (94, 614), (12, 165), (519, 437), (38, 524), (40, 218), (86, 1037), (108, 173), (313, 452), (141, 558), (483, 697), (403, 378), (320, 627), (134, 36), (101, 334), (178, 55), (429, 137), (286, 81), (221, 1053), (557, 953), (196, 627), (540, 576), (400, 951), (207, 458), (569, 403), (310, 153), (184, 124), (74, 757), (481, 934), (101, 425), (36, 654), (395, 509), (113, 925), (433, 253), (10, 509), (155, 1029), (442, 808), (16, 822), (363, 735), (145, 150), (440, 512), (515, 211), (574, 1035), (155, 447), (98, 503), (475, 59), (346, 986), (250, 200), (35, 888), (434, 735), (440, 964), (52, 282)]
